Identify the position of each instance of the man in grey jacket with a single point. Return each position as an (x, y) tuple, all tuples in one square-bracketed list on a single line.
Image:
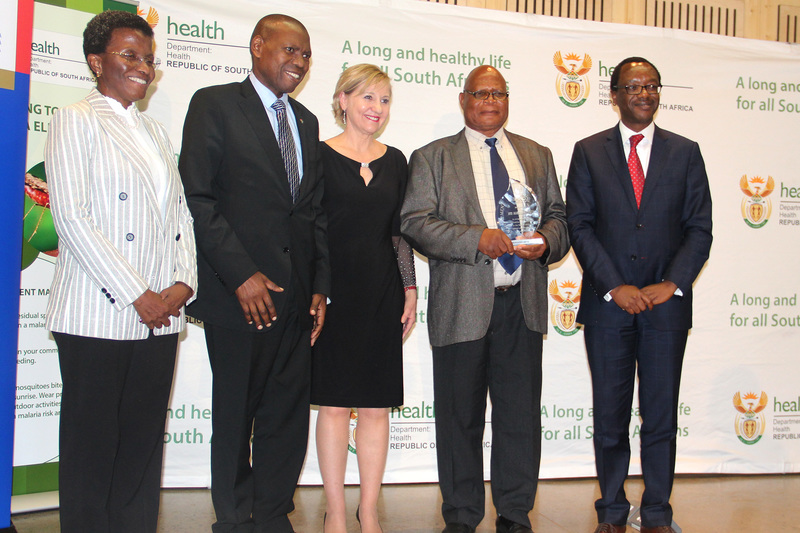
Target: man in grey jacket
[(488, 302)]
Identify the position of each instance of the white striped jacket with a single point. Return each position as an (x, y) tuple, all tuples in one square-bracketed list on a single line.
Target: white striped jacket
[(113, 242)]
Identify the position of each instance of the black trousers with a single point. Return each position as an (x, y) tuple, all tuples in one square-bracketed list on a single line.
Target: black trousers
[(111, 435), (507, 362), (616, 356), (261, 389)]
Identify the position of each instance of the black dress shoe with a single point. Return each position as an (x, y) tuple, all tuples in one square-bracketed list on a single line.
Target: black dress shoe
[(504, 525), (457, 527)]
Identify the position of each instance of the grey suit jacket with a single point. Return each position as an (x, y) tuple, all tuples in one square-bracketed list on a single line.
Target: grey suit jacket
[(113, 243), (442, 218)]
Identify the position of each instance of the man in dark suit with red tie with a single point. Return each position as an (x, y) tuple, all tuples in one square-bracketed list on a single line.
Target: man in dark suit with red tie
[(639, 214), (251, 169)]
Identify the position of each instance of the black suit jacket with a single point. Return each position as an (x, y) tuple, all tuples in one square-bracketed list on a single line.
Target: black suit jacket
[(667, 238), (244, 219)]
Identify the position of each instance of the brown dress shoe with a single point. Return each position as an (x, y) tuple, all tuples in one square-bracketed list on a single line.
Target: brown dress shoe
[(605, 527), (658, 529)]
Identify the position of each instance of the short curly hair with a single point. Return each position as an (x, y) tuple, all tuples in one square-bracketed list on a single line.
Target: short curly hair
[(618, 69), (98, 32), (359, 76)]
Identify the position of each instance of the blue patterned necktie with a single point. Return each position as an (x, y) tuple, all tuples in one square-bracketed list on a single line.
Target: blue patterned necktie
[(288, 150), (500, 182)]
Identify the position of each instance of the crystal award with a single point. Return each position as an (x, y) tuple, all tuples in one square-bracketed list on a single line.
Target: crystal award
[(519, 214)]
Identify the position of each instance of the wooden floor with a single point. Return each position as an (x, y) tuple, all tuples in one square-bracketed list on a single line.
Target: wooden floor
[(707, 504)]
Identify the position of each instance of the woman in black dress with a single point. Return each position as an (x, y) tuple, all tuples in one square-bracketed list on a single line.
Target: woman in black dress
[(357, 359)]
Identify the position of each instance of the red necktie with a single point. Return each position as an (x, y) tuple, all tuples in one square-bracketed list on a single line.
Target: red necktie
[(635, 168)]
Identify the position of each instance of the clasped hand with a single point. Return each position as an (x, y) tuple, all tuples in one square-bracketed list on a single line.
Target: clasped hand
[(634, 300), (155, 309)]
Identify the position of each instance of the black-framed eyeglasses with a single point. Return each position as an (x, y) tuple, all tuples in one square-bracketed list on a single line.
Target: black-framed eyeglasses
[(484, 95), (637, 89), (133, 59)]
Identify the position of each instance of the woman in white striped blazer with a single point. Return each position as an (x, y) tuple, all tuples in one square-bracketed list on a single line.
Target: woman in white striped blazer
[(126, 267)]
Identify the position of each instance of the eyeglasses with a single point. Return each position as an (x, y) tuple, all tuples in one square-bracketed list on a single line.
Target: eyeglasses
[(133, 59), (637, 89), (484, 95)]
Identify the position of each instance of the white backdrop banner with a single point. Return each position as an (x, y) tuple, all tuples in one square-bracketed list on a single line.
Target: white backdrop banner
[(740, 99)]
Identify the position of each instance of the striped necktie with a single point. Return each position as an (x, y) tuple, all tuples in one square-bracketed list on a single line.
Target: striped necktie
[(288, 150)]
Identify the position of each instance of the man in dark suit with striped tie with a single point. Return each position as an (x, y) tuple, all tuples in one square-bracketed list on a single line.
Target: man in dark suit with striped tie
[(251, 169), (639, 214)]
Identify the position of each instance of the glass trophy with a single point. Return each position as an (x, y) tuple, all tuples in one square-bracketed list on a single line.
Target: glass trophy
[(519, 214)]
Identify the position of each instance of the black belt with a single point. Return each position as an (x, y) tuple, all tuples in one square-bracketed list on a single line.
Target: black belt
[(504, 288)]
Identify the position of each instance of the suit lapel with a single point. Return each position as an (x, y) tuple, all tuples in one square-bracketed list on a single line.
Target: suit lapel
[(306, 138), (524, 156), (253, 109), (121, 135), (462, 162), (616, 156), (655, 168), (164, 149)]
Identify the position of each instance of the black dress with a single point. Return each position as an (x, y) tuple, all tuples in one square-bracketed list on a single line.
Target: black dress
[(357, 359)]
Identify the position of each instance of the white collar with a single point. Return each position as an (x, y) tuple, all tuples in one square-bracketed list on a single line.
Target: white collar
[(648, 132), (129, 116)]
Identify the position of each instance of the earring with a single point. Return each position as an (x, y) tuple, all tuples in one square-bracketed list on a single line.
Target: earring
[(344, 117)]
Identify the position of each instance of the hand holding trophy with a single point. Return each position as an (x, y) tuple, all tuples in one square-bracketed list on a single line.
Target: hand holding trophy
[(519, 214)]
